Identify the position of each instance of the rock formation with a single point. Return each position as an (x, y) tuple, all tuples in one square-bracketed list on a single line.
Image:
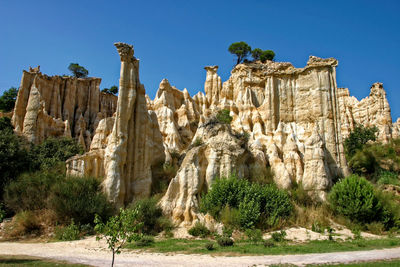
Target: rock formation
[(371, 111), (124, 156), (60, 106)]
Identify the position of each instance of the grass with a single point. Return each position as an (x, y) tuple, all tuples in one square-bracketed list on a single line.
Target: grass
[(389, 263), (247, 248), (32, 261)]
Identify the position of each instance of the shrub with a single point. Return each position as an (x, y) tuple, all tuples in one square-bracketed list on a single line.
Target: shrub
[(224, 241), (68, 233), (79, 199), (363, 162), (145, 241), (197, 142), (2, 212), (77, 70), (358, 138), (54, 150), (26, 222), (209, 246), (5, 124), (268, 243), (31, 190), (301, 196), (253, 201), (230, 216), (224, 117), (278, 236), (267, 55), (354, 197), (388, 177), (256, 53), (199, 229), (149, 213), (254, 235)]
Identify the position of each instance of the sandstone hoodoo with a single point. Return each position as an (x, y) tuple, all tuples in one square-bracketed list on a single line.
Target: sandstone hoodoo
[(281, 119)]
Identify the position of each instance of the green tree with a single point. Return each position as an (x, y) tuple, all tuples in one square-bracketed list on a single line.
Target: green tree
[(358, 138), (267, 55), (256, 53), (78, 71), (5, 124), (118, 230), (114, 89), (106, 90), (7, 100), (241, 50)]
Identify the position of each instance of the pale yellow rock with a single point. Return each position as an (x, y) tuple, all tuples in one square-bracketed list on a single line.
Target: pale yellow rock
[(60, 106)]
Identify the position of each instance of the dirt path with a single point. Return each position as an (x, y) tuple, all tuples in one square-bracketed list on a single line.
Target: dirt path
[(91, 252)]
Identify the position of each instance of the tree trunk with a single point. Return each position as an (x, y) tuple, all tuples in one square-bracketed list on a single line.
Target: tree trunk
[(112, 262)]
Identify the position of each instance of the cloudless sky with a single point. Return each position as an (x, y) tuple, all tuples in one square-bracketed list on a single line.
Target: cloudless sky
[(176, 39)]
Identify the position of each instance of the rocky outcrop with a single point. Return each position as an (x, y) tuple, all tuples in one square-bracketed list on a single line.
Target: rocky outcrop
[(60, 106), (124, 156), (373, 110)]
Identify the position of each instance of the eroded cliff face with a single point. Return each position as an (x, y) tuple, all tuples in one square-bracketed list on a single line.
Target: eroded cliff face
[(373, 110), (124, 156), (60, 106)]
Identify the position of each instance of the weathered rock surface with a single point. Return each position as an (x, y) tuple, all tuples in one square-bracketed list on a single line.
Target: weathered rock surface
[(124, 156), (373, 110), (60, 106)]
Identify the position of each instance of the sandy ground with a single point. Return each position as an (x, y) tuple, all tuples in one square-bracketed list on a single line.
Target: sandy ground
[(91, 252)]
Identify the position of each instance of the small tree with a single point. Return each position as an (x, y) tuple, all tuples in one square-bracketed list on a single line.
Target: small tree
[(358, 138), (240, 49), (114, 90), (7, 100), (267, 55), (256, 53), (78, 71), (118, 230)]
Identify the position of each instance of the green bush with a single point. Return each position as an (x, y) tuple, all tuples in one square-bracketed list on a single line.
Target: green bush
[(301, 196), (354, 197), (255, 203), (268, 243), (209, 246), (30, 191), (224, 117), (358, 138), (230, 217), (79, 199), (67, 233), (279, 236), (5, 124), (254, 235), (363, 162), (7, 100), (145, 241), (388, 177), (267, 55), (53, 151), (150, 214), (2, 212), (199, 229), (225, 241), (26, 222)]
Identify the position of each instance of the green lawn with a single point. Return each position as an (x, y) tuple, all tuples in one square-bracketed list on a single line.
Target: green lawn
[(8, 261), (247, 248)]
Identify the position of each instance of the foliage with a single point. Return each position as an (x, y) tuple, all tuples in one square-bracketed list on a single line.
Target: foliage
[(388, 177), (255, 203), (68, 233), (197, 142), (78, 71), (7, 100), (25, 222), (358, 138), (230, 217), (145, 241), (151, 216), (224, 117), (52, 151), (268, 243), (2, 212), (267, 55), (118, 230), (279, 236), (225, 241), (301, 196), (354, 197), (363, 162), (241, 50), (79, 199), (256, 53), (14, 157), (112, 90), (209, 246), (199, 229), (254, 235), (30, 191), (5, 125)]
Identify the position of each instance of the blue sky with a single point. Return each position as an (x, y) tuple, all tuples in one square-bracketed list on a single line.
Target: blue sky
[(176, 39)]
